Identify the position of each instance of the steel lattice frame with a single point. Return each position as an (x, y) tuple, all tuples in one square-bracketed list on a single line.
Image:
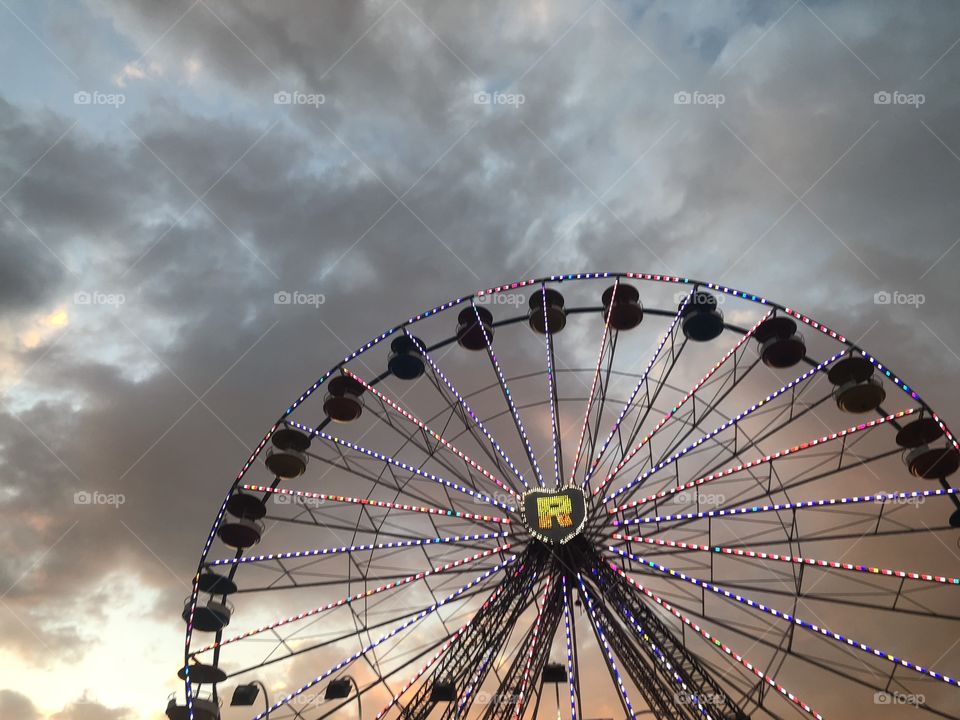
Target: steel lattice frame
[(433, 578)]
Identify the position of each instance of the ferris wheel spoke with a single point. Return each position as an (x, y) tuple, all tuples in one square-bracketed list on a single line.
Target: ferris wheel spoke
[(383, 638), (466, 407), (715, 642), (667, 336), (666, 418), (514, 412), (794, 559), (593, 384), (817, 630), (606, 651), (384, 504), (415, 577), (764, 459), (419, 472), (556, 438), (570, 640), (446, 444), (673, 454)]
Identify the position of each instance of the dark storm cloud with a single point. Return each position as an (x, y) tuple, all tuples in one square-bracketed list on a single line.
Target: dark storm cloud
[(292, 199)]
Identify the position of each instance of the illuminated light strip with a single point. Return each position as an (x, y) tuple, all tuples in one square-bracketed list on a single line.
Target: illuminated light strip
[(400, 464), (663, 421), (815, 325), (525, 682), (443, 441), (606, 647), (732, 421), (593, 384), (551, 381), (359, 596), (466, 406), (626, 406), (908, 496), (795, 559), (358, 548), (691, 694), (763, 459), (792, 619), (506, 392), (715, 641), (377, 503), (453, 638), (571, 678), (383, 638)]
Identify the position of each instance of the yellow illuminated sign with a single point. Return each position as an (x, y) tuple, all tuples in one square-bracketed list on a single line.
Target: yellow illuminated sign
[(554, 506)]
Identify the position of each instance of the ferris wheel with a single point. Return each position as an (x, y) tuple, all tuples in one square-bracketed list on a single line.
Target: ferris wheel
[(587, 495)]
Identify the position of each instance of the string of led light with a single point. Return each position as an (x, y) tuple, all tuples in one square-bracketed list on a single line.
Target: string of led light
[(358, 596), (643, 377), (571, 677), (383, 638), (324, 497), (525, 680), (506, 393), (763, 459), (791, 618), (666, 418), (435, 435), (401, 464), (716, 642), (907, 495), (729, 423), (551, 390), (794, 559)]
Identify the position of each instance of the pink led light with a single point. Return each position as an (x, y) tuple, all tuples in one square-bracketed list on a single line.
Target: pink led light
[(763, 459), (713, 640), (378, 503), (794, 559), (551, 382), (352, 598), (666, 418)]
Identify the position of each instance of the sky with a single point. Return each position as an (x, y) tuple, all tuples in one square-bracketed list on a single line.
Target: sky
[(167, 168)]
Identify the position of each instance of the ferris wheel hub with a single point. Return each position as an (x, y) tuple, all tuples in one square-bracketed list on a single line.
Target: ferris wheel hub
[(554, 517)]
